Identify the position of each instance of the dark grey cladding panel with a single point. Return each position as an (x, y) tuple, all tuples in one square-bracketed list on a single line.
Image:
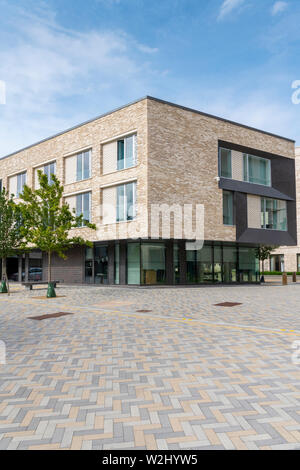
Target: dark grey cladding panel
[(267, 237), (250, 188), (282, 171)]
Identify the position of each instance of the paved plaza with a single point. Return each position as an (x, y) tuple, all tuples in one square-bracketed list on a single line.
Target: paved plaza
[(151, 368)]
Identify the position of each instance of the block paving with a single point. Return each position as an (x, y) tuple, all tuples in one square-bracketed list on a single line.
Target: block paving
[(185, 374)]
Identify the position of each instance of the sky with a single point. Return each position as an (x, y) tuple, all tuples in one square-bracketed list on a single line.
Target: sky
[(63, 62)]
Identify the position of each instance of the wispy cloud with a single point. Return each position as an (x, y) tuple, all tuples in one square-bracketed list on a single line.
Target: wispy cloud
[(228, 6), (279, 7), (57, 77)]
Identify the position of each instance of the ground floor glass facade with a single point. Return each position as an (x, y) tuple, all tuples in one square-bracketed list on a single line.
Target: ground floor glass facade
[(170, 263)]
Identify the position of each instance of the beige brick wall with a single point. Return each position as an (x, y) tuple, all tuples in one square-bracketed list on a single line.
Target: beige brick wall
[(183, 160), (127, 120), (177, 162)]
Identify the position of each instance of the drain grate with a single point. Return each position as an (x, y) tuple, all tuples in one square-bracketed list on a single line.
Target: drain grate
[(144, 311), (52, 315), (228, 304)]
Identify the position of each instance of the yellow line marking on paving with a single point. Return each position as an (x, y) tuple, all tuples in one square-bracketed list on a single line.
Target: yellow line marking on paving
[(161, 318)]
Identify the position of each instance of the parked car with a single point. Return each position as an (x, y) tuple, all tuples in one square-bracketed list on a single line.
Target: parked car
[(35, 274)]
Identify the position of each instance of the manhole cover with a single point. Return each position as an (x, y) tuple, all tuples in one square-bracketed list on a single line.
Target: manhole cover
[(144, 311), (228, 304), (52, 315)]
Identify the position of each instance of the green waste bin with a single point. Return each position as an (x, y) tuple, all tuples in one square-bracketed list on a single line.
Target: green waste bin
[(3, 288), (51, 290)]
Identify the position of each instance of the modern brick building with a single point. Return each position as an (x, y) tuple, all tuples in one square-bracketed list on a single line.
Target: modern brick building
[(287, 258), (153, 152)]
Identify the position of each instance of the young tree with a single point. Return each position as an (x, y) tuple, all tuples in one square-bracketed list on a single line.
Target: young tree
[(10, 235), (263, 253), (47, 221)]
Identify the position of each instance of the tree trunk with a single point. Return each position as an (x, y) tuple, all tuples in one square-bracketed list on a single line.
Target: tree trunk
[(4, 270), (49, 266)]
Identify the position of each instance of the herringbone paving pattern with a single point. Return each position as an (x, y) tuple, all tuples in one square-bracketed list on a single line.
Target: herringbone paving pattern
[(187, 375)]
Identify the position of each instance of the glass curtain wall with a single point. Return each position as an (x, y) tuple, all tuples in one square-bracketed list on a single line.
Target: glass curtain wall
[(153, 268), (248, 265), (101, 264), (230, 264), (199, 265), (133, 263)]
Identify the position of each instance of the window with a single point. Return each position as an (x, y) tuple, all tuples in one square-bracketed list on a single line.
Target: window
[(0, 185), (83, 206), (50, 169), (127, 152), (126, 202), (273, 214), (277, 263), (227, 208), (21, 181), (225, 163), (83, 166), (298, 263), (257, 170)]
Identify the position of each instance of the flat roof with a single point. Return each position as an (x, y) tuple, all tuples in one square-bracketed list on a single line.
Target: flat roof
[(137, 101)]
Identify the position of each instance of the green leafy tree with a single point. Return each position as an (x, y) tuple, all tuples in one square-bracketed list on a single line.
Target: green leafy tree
[(263, 252), (47, 220), (10, 234)]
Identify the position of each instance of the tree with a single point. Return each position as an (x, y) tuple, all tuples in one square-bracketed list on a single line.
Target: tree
[(47, 221), (263, 252), (10, 235)]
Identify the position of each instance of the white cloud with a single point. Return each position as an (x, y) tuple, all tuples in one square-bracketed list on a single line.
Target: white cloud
[(279, 7), (56, 78), (228, 6)]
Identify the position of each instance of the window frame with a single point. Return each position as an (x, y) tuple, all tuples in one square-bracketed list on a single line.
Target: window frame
[(125, 207), (134, 150), (263, 212), (82, 155), (78, 213), (247, 155), (19, 192), (220, 162), (233, 212), (48, 165)]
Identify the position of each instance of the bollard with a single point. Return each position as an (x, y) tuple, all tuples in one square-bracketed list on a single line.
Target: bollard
[(294, 277), (284, 279)]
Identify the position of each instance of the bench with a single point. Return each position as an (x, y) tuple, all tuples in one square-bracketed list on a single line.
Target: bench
[(29, 285)]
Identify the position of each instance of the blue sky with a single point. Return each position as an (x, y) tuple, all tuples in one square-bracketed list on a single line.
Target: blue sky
[(64, 61)]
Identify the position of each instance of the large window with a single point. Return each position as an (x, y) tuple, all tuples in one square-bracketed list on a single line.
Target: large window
[(21, 181), (83, 206), (127, 152), (199, 264), (83, 166), (273, 214), (50, 169), (277, 263), (133, 263), (153, 263), (126, 202), (225, 163), (257, 170), (228, 208)]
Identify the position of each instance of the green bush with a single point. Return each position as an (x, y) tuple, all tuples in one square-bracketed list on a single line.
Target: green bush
[(277, 273)]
